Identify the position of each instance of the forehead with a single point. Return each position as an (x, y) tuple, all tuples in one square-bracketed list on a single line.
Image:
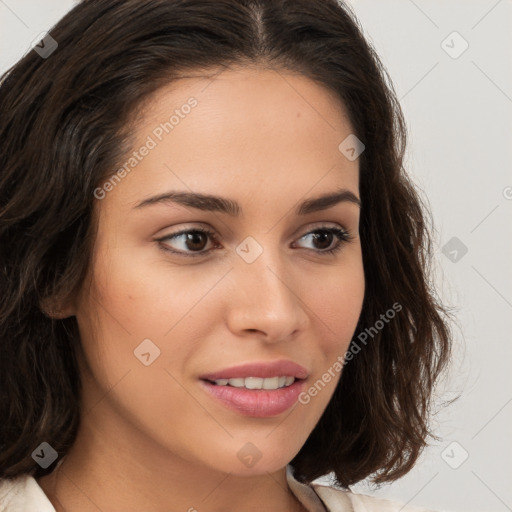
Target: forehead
[(240, 132)]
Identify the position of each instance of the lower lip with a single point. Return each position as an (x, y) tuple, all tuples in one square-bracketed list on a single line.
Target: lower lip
[(260, 403)]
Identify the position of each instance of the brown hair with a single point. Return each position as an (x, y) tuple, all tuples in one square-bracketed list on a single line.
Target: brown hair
[(63, 131)]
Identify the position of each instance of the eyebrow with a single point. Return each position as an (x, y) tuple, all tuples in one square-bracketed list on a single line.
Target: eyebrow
[(230, 207)]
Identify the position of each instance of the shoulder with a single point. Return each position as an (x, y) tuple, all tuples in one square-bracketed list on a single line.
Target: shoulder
[(337, 500), (317, 496), (23, 494)]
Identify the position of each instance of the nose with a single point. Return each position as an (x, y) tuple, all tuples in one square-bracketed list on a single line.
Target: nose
[(267, 299)]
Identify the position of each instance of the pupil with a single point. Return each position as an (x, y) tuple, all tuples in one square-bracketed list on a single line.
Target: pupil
[(325, 236), (194, 238)]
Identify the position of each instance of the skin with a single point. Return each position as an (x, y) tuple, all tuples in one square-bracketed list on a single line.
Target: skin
[(150, 437)]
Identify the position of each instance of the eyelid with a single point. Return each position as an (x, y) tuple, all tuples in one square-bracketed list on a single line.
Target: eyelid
[(343, 235)]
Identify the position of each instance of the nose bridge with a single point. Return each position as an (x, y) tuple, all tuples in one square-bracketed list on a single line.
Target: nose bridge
[(263, 267), (265, 299)]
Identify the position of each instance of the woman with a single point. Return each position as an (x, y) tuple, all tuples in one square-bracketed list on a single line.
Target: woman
[(300, 337)]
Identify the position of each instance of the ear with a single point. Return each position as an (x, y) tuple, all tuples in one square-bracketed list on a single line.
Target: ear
[(58, 309)]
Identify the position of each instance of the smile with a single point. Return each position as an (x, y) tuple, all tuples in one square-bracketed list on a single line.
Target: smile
[(257, 382)]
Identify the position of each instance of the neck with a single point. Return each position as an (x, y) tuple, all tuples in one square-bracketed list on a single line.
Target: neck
[(122, 472)]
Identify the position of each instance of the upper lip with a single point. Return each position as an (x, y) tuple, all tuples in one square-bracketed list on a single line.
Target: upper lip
[(260, 369)]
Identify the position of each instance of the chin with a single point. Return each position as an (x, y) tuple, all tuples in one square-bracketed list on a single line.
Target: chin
[(249, 461)]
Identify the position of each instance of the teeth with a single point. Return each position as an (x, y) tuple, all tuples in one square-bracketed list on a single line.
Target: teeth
[(270, 383), (237, 383), (257, 382), (289, 380)]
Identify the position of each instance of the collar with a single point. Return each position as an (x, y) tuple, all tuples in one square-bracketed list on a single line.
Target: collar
[(25, 494), (318, 497)]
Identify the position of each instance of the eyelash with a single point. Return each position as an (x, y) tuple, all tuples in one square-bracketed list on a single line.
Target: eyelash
[(342, 235)]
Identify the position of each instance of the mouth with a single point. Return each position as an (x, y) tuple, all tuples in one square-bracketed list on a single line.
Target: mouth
[(253, 383), (259, 389), (259, 402)]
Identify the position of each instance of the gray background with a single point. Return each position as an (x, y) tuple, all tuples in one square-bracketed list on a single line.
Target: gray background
[(458, 110)]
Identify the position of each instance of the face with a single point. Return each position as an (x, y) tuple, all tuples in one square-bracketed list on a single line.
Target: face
[(182, 290)]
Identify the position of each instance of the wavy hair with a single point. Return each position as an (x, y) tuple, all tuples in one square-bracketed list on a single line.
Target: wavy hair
[(64, 128)]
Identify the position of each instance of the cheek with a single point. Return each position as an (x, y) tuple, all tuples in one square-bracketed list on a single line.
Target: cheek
[(337, 307), (145, 296), (177, 307), (135, 299), (337, 304), (126, 315)]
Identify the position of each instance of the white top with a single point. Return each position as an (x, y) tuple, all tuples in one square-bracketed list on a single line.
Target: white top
[(23, 494)]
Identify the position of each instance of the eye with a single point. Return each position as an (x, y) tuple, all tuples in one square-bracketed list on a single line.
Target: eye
[(325, 235), (193, 240)]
